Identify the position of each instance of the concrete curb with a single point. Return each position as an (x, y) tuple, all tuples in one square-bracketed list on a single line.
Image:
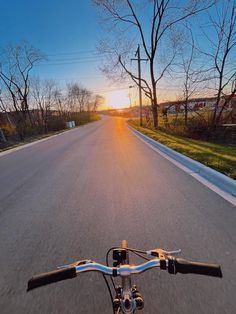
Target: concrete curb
[(218, 179)]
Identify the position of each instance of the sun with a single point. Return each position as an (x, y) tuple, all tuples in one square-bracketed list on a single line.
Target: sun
[(118, 100)]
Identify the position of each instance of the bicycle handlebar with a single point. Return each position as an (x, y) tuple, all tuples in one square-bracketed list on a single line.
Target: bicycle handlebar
[(174, 266), (178, 265), (71, 272), (51, 277)]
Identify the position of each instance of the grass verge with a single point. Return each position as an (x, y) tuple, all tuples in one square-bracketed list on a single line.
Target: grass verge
[(217, 156)]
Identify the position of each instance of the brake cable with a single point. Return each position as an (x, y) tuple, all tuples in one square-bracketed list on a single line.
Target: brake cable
[(110, 293)]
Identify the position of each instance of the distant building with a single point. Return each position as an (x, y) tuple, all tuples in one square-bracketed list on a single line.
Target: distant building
[(198, 104)]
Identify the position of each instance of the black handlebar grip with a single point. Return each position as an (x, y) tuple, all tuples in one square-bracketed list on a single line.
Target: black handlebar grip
[(50, 277), (185, 267)]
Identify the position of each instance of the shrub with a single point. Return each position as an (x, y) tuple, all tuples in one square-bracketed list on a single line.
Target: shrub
[(56, 123), (81, 118), (9, 130)]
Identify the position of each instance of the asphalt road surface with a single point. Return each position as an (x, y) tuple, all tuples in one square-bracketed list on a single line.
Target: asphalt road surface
[(76, 195)]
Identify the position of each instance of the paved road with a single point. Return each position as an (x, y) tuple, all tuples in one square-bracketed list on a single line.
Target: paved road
[(77, 194)]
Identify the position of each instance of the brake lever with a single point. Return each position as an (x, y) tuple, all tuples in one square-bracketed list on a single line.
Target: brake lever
[(77, 263), (162, 253), (173, 253)]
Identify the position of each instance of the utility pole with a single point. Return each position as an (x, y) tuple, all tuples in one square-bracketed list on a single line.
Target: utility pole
[(130, 103), (137, 54)]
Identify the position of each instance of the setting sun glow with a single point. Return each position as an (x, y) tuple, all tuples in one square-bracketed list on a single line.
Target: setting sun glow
[(118, 100)]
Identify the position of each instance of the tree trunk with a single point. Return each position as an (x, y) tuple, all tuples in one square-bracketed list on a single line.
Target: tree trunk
[(155, 115), (26, 107), (214, 118), (186, 114), (214, 122), (154, 95)]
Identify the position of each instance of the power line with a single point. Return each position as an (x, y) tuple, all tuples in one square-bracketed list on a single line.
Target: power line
[(86, 57), (76, 58), (112, 90), (66, 63), (77, 78), (71, 53), (92, 52)]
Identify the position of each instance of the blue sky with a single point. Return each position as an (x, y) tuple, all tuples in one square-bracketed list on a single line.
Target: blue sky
[(67, 31), (51, 25)]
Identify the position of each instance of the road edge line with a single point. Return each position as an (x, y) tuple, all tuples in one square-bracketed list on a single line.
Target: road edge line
[(14, 149), (214, 180)]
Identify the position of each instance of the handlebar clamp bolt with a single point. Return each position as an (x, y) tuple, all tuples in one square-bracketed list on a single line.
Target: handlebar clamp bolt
[(116, 304), (139, 303)]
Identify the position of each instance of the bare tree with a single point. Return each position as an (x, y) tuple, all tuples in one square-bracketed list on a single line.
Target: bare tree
[(59, 102), (43, 94), (222, 54), (97, 101), (84, 98), (164, 16), (19, 120), (3, 106), (72, 90), (193, 75), (18, 62), (79, 97)]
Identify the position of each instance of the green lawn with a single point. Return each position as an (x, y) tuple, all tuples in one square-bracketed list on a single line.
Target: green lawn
[(219, 157)]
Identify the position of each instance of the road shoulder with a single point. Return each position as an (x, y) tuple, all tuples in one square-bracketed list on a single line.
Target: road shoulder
[(214, 180)]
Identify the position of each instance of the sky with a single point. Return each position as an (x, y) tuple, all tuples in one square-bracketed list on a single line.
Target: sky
[(68, 32)]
